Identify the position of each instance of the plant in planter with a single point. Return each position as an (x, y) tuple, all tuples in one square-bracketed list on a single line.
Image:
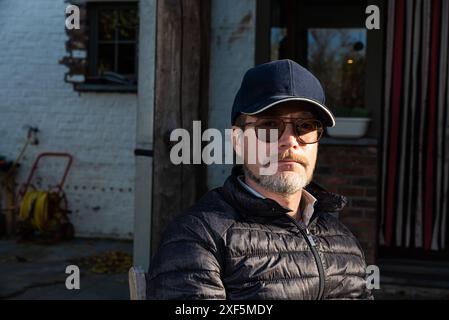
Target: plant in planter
[(350, 123)]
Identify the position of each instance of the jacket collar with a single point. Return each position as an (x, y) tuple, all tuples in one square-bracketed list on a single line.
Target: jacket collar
[(249, 204)]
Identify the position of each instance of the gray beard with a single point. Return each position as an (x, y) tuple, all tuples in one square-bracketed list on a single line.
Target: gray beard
[(282, 183)]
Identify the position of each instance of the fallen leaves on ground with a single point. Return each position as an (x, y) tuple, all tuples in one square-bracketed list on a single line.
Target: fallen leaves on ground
[(107, 263)]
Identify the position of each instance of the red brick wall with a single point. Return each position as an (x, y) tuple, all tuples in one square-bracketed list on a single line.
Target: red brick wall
[(351, 170)]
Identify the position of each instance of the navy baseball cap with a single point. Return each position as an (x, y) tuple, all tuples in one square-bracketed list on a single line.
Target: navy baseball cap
[(270, 84)]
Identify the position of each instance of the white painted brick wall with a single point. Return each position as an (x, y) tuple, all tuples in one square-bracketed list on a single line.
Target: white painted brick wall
[(99, 130)]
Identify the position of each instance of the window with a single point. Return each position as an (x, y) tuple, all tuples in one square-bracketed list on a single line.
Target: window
[(330, 39), (102, 54), (338, 58), (278, 30), (112, 53)]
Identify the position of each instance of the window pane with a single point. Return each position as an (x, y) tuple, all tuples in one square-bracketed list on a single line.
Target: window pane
[(338, 58), (278, 32), (107, 24), (105, 58), (113, 43), (128, 24), (127, 54), (278, 43)]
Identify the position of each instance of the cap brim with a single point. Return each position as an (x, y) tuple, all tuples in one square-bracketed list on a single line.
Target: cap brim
[(323, 112)]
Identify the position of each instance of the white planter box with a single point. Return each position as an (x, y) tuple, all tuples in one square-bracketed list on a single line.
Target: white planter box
[(349, 127)]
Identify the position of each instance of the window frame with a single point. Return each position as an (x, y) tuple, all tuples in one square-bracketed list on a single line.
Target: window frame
[(353, 11), (93, 9)]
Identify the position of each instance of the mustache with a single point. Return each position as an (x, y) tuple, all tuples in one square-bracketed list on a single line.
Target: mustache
[(288, 156)]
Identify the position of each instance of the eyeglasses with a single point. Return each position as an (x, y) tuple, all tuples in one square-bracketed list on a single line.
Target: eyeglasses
[(307, 131)]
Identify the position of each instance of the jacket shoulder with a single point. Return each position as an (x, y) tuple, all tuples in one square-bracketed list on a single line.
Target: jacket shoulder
[(211, 216), (188, 262)]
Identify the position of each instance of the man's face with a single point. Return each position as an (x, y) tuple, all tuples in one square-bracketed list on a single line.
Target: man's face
[(296, 160)]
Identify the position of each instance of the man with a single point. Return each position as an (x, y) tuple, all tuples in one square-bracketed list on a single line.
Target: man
[(266, 236)]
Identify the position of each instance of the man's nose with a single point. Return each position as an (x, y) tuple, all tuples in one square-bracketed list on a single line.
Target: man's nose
[(289, 139)]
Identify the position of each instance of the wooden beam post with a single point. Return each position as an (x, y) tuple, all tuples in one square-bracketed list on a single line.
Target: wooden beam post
[(181, 65)]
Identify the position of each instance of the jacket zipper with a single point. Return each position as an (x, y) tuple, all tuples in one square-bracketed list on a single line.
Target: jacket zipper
[(318, 261), (309, 239)]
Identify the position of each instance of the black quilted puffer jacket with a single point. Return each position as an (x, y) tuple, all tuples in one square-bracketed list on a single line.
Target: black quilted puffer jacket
[(233, 245)]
